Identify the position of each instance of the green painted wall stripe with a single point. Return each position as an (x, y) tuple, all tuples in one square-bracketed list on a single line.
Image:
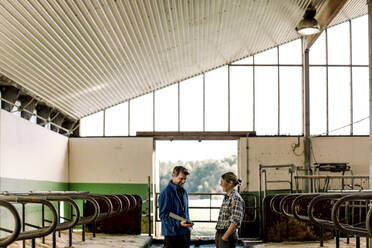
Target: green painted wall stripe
[(111, 188), (25, 185)]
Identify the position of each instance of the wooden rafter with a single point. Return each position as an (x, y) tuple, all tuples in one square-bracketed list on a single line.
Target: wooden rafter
[(325, 17)]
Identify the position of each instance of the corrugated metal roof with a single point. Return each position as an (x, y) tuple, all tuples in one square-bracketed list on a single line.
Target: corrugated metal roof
[(83, 56)]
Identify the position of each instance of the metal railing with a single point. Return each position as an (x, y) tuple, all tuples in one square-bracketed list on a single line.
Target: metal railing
[(104, 206), (253, 208), (350, 212)]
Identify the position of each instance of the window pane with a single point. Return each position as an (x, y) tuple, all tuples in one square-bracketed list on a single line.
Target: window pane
[(266, 100), (339, 44), (267, 57), (92, 125), (241, 98), (360, 101), (166, 109), (191, 104), (216, 94), (290, 100), (339, 100), (317, 55), (248, 61), (318, 101), (116, 120), (141, 114), (290, 53), (359, 29)]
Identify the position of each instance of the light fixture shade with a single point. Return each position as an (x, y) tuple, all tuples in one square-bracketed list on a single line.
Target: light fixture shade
[(308, 27)]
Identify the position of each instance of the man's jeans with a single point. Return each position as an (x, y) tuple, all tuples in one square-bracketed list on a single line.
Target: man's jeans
[(181, 241)]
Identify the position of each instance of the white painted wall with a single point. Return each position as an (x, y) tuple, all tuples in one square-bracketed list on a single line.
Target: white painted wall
[(279, 150), (29, 151), (110, 160)]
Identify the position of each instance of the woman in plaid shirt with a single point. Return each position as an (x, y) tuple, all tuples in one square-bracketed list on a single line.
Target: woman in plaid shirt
[(231, 212)]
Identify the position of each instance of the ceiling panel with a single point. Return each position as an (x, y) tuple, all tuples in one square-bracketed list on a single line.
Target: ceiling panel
[(84, 56)]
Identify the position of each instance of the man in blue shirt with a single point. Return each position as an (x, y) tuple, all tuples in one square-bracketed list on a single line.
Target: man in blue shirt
[(174, 199)]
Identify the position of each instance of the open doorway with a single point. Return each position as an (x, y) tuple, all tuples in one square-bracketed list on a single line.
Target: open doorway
[(206, 161)]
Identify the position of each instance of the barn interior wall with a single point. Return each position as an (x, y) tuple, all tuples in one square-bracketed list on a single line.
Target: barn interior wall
[(110, 165), (284, 150), (31, 157)]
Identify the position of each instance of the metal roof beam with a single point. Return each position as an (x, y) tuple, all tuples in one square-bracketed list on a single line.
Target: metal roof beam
[(325, 17)]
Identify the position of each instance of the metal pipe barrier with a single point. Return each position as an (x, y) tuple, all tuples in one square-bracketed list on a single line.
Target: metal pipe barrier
[(39, 231), (274, 203), (110, 204), (283, 203), (352, 229), (343, 202), (17, 225), (315, 181)]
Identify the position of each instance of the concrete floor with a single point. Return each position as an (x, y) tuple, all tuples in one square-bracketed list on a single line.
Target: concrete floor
[(138, 241), (327, 244), (100, 241)]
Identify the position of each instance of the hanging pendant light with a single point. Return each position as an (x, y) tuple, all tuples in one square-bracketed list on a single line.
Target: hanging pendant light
[(308, 25)]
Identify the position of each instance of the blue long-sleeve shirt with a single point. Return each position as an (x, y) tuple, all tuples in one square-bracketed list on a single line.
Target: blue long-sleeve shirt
[(168, 202)]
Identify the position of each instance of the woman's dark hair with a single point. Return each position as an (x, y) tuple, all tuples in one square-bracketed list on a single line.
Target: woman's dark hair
[(231, 177), (180, 169)]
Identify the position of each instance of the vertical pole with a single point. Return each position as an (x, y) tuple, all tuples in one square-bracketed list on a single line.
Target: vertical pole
[(42, 219), (369, 2), (351, 79), (203, 102), (83, 233), (23, 223), (278, 68), (104, 123), (59, 215), (261, 231), (70, 230), (327, 93), (83, 226), (179, 107), (153, 111), (129, 118), (149, 203), (54, 240), (254, 95), (306, 78), (228, 98)]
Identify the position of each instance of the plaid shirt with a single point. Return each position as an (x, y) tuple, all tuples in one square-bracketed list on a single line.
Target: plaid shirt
[(231, 211)]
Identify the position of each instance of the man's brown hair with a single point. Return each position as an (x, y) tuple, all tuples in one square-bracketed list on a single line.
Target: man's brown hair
[(180, 169)]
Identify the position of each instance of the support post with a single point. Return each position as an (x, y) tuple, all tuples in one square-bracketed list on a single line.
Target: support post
[(369, 3), (306, 121)]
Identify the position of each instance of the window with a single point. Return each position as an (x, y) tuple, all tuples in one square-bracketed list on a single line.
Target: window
[(339, 100), (318, 101), (141, 114), (339, 52), (166, 109), (216, 100), (241, 98), (290, 53), (92, 125), (266, 100), (116, 120), (290, 100), (191, 104), (359, 27), (360, 101)]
